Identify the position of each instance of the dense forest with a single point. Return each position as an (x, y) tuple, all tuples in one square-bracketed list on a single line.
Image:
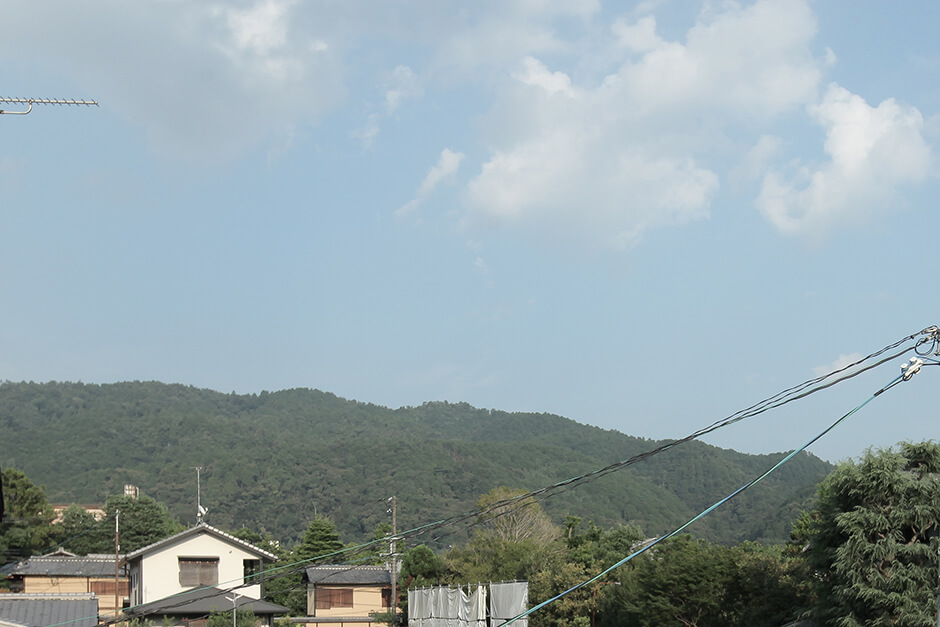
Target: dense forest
[(275, 461), (864, 554)]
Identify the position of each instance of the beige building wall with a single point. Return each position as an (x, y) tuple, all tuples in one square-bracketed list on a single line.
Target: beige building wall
[(102, 587), (366, 600), (160, 569)]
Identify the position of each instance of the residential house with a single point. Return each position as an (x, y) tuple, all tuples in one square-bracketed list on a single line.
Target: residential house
[(62, 572), (97, 511), (339, 594), (201, 570), (38, 610)]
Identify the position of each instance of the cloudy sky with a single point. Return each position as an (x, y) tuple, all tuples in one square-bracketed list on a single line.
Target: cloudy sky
[(642, 216)]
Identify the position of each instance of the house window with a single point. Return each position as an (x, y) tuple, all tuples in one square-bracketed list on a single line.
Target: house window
[(251, 570), (328, 598), (106, 588), (199, 571), (386, 597)]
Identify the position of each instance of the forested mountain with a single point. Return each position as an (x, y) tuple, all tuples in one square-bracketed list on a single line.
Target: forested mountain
[(273, 460)]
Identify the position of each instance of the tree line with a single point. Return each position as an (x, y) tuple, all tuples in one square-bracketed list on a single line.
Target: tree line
[(864, 553), (275, 460)]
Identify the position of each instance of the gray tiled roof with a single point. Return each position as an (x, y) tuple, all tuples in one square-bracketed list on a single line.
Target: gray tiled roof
[(39, 610), (63, 566), (203, 601), (348, 575), (202, 527)]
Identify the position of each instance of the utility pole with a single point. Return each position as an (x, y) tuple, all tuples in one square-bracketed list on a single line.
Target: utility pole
[(46, 101), (117, 565), (393, 558)]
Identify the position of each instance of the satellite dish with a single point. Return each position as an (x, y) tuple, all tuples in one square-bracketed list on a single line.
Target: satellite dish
[(202, 511)]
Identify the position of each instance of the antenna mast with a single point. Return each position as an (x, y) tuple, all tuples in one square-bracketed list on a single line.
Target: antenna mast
[(46, 101), (200, 510)]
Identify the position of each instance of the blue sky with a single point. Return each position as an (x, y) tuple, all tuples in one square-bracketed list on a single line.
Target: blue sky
[(642, 216)]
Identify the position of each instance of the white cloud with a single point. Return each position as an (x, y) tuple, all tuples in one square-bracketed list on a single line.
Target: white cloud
[(872, 151), (401, 85), (205, 80), (404, 85), (756, 160), (754, 60), (840, 363), (446, 169), (603, 163), (638, 37), (262, 28), (536, 74)]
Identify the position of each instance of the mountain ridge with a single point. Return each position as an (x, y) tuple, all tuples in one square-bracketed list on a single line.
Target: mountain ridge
[(276, 459)]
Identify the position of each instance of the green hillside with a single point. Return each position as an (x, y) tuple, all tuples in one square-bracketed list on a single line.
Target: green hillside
[(272, 461)]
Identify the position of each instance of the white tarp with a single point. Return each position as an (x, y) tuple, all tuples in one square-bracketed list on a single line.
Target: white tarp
[(444, 606), (508, 600)]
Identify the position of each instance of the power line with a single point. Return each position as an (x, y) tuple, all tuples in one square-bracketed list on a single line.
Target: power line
[(926, 346), (902, 377)]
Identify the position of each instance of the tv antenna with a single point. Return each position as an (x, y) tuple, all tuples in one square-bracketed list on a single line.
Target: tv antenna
[(46, 101)]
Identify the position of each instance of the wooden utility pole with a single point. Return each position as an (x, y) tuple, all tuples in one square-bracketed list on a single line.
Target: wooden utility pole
[(117, 565), (393, 557)]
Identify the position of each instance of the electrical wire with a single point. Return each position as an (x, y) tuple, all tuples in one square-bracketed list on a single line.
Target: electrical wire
[(928, 337), (711, 508)]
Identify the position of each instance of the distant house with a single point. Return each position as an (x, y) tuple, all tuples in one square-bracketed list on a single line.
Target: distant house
[(97, 511), (38, 610), (338, 594), (184, 578), (62, 572)]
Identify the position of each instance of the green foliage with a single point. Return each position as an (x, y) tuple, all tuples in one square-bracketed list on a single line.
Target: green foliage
[(284, 581), (514, 540), (142, 521), (873, 539), (25, 528), (243, 618), (420, 568), (80, 533), (377, 551), (320, 541), (283, 584), (87, 441), (689, 581)]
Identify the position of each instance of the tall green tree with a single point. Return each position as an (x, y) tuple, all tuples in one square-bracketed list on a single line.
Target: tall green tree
[(873, 539), (681, 581), (79, 532), (320, 540), (514, 540), (142, 521), (26, 525), (283, 580), (420, 567)]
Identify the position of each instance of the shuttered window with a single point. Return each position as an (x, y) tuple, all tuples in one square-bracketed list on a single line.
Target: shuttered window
[(199, 571), (328, 598), (106, 588)]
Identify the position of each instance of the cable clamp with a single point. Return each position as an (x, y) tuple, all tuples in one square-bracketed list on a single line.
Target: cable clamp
[(929, 344), (908, 370)]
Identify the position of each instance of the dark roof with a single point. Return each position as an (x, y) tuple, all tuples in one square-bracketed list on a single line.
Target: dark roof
[(63, 566), (38, 610), (201, 527), (203, 601), (339, 574)]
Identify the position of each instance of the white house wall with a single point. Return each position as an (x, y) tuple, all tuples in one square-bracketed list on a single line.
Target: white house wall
[(160, 568)]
